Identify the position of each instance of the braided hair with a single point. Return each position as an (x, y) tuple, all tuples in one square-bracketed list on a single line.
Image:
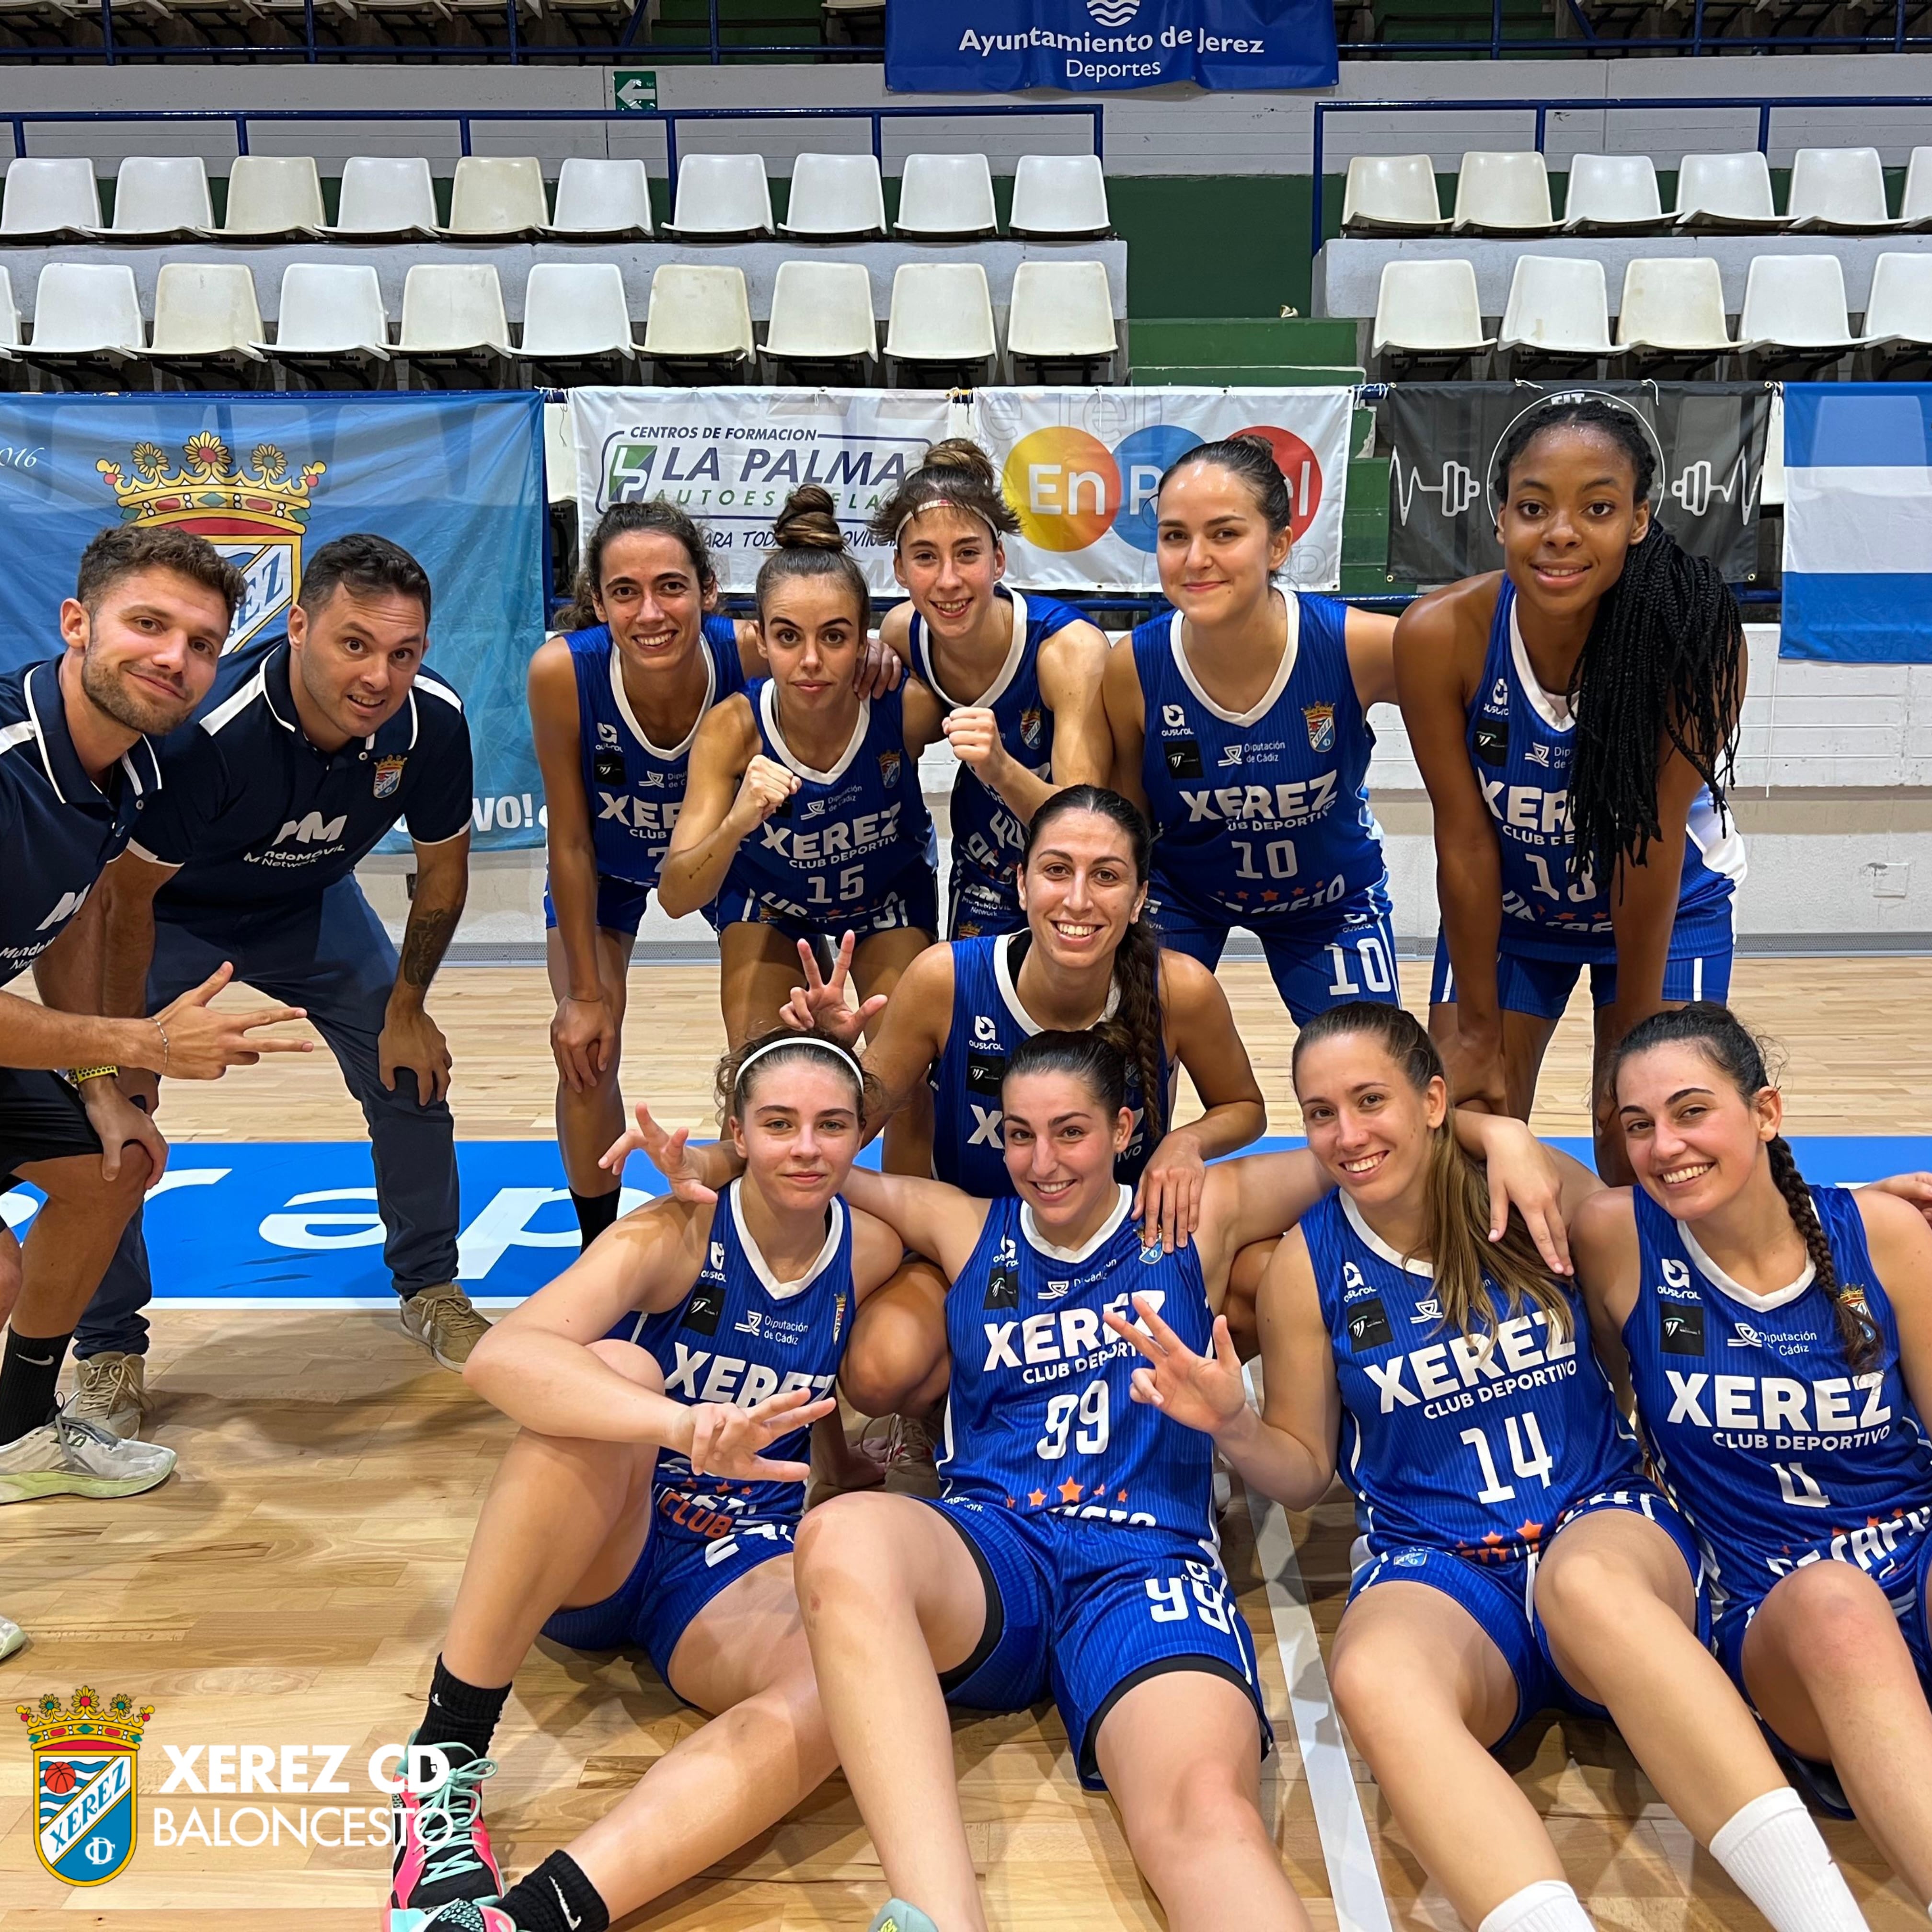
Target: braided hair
[(1664, 659), (1133, 1028), (1731, 1047)]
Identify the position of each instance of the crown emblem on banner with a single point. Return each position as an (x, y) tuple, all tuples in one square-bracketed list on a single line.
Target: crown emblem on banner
[(211, 483), (89, 1719)]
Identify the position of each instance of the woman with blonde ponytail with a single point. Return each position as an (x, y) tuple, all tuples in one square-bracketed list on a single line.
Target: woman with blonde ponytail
[(1516, 1556)]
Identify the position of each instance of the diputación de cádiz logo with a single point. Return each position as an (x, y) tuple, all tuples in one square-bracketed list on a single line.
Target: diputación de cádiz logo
[(86, 1760), (256, 519)]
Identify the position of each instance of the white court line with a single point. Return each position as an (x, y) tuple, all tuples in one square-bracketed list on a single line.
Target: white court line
[(1360, 1904)]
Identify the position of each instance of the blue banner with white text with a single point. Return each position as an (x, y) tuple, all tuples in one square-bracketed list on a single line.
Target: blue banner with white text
[(456, 479), (948, 46)]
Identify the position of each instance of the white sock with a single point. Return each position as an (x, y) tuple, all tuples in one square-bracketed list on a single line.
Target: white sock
[(1775, 1855), (1547, 1906)]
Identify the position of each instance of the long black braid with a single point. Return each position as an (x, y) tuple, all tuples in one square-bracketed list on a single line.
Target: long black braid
[(1730, 1046), (1664, 659)]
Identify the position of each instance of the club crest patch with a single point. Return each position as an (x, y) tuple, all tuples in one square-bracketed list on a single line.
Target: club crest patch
[(1321, 726), (1032, 728), (889, 766), (388, 776), (86, 1759)]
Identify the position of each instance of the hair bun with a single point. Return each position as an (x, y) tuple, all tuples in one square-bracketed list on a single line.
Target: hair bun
[(963, 456), (808, 521)]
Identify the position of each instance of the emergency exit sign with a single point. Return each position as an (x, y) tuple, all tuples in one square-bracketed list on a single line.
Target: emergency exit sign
[(634, 90)]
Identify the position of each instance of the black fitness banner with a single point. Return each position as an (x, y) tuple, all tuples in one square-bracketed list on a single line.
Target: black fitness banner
[(1443, 437)]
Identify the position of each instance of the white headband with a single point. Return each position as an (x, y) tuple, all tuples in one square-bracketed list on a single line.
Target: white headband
[(824, 1044), (943, 503)]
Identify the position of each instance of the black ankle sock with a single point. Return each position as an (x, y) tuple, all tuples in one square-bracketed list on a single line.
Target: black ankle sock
[(30, 1381), (557, 1898), (595, 1212), (459, 1713)]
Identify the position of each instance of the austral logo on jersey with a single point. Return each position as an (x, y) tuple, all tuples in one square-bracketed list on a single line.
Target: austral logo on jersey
[(86, 1755)]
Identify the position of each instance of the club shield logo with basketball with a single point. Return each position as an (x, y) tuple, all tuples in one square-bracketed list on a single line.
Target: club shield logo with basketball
[(86, 1755)]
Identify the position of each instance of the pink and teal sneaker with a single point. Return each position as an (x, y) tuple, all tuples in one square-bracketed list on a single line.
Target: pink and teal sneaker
[(442, 1854)]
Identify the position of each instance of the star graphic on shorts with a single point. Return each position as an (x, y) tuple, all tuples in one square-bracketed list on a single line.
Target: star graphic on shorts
[(1529, 1532), (1120, 1496), (1269, 898), (1070, 1491), (1099, 1489), (1038, 1497)]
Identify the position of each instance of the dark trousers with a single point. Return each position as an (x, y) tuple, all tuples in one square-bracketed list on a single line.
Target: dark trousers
[(331, 955)]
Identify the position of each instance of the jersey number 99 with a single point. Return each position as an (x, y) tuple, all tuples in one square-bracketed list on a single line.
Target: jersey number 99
[(1088, 1410)]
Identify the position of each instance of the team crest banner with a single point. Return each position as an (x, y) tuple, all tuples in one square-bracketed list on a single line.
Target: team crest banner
[(456, 479), (1081, 468), (946, 47)]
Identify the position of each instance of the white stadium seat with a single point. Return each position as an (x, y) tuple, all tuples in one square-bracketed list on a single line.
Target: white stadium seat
[(822, 327), (1429, 313), (1915, 208), (1613, 192), (162, 197), (87, 323), (574, 312), (499, 196), (722, 198), (1060, 198), (946, 198), (604, 200), (1898, 315), (9, 317), (941, 322), (1060, 324), (271, 196), (1795, 314), (55, 200), (1503, 194), (699, 329), (386, 197), (1838, 188), (1558, 315), (454, 326), (1672, 314), (330, 322), (206, 322), (1721, 191), (1392, 194), (836, 198)]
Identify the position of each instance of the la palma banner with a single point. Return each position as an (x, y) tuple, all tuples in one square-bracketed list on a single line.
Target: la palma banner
[(949, 46)]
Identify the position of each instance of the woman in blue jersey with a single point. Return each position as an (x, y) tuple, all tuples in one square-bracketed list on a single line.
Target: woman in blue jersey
[(1513, 1554), (1574, 715), (1778, 1338), (1020, 678), (663, 1385), (1240, 725)]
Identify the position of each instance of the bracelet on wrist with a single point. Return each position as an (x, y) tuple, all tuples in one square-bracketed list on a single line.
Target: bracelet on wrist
[(78, 1074)]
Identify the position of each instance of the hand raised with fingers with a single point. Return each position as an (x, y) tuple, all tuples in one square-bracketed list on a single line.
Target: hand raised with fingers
[(196, 1043), (1522, 1177), (820, 1004), (728, 1440), (1168, 1202), (1203, 1392), (666, 1152)]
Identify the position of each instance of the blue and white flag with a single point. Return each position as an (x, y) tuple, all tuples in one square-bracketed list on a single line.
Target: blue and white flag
[(456, 479), (1858, 522)]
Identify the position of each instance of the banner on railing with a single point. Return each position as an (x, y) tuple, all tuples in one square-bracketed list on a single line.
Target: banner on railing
[(1707, 439), (1003, 46), (457, 480), (1081, 467)]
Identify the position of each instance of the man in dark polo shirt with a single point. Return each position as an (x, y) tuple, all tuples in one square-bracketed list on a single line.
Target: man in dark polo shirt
[(310, 748)]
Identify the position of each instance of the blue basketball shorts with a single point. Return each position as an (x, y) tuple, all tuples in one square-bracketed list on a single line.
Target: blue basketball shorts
[(911, 903), (1320, 960), (677, 1575), (1698, 966), (1502, 1596), (1089, 1610), (620, 904)]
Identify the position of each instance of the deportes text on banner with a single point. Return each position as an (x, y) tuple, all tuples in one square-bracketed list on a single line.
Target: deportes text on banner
[(1709, 438), (1081, 467), (731, 456), (457, 480), (1005, 45)]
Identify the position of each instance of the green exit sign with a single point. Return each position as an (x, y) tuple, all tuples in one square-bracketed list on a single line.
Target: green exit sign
[(634, 90)]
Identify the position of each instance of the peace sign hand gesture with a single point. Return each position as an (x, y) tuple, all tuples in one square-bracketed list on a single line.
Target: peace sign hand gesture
[(729, 1442), (820, 1003), (1203, 1392), (667, 1153)]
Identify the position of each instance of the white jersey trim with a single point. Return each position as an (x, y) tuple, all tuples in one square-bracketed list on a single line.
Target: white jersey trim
[(1551, 706), (786, 1291), (623, 700), (768, 706), (237, 701), (1374, 1242), (1759, 1304), (1029, 1227), (1008, 671), (1003, 977), (16, 734), (1290, 651), (437, 688)]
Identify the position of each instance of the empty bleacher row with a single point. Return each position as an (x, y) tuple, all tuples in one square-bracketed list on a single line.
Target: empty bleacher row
[(725, 198), (87, 331)]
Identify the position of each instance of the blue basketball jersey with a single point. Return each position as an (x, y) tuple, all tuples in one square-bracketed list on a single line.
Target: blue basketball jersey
[(989, 1022), (1040, 1417), (1758, 1428), (1263, 815), (1520, 737), (636, 788), (987, 838), (852, 843), (1447, 1442), (739, 1336)]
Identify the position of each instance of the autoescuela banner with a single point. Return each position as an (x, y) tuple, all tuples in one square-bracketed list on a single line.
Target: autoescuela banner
[(457, 480), (1442, 439), (944, 46)]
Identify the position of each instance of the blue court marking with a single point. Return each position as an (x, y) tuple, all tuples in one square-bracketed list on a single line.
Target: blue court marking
[(292, 1223)]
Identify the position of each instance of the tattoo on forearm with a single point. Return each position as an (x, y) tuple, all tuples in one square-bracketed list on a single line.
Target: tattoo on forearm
[(425, 941)]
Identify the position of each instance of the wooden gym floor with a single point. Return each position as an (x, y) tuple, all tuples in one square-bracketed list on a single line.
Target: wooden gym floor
[(291, 1584)]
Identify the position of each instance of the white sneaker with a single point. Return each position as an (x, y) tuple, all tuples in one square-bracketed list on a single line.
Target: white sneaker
[(12, 1637), (110, 1390), (68, 1457)]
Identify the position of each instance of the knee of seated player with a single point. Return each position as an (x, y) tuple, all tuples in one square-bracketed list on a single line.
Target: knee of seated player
[(898, 1340), (633, 1363), (1204, 1801), (1386, 1691), (1587, 1596), (847, 1562), (1830, 1621), (1244, 1282)]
